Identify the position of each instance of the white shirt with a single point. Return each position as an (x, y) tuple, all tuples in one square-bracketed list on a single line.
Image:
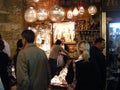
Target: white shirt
[(1, 85), (7, 48)]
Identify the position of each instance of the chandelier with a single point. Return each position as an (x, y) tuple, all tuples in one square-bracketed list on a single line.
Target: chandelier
[(56, 13)]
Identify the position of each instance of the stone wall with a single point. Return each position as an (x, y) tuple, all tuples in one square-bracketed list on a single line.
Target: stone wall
[(11, 21)]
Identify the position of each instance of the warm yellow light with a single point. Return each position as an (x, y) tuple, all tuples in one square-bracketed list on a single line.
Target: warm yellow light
[(75, 11), (92, 10), (30, 15), (42, 14), (57, 14), (69, 14), (81, 10), (36, 0)]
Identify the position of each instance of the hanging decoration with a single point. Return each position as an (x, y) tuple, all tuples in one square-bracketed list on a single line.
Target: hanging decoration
[(36, 1), (69, 14), (81, 10), (42, 14), (30, 15), (75, 11), (92, 10), (56, 14)]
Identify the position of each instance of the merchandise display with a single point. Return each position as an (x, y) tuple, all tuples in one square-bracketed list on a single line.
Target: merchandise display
[(59, 80)]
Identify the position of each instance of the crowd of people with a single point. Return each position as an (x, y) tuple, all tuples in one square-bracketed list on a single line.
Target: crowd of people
[(34, 70)]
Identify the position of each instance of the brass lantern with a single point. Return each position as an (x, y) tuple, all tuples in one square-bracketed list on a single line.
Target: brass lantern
[(69, 14), (92, 10), (30, 15), (42, 14), (57, 14), (75, 11), (36, 0), (81, 10)]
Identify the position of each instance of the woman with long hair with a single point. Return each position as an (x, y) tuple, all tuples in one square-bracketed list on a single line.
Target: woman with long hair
[(79, 69)]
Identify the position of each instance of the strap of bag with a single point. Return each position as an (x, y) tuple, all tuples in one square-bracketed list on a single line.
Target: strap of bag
[(74, 69)]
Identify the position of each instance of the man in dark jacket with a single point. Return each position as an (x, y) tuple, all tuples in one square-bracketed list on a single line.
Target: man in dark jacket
[(97, 60)]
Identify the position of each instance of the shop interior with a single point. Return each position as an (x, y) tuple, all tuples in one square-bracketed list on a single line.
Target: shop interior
[(73, 20)]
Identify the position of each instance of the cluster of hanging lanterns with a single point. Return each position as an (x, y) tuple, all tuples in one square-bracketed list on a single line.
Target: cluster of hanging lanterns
[(55, 14), (92, 10)]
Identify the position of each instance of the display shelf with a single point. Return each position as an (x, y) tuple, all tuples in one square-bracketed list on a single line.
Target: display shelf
[(87, 30), (89, 35)]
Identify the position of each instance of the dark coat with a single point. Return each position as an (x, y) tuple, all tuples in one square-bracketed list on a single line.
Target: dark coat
[(98, 63), (83, 75), (4, 61)]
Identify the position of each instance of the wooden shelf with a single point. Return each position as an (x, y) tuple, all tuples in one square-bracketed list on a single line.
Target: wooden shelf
[(4, 12), (89, 31)]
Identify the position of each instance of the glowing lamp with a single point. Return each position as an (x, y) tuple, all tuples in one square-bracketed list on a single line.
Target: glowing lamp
[(81, 10), (92, 10), (57, 14), (42, 14), (69, 14), (30, 15)]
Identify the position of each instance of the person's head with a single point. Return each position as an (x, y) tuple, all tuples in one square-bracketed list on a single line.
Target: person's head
[(83, 49), (63, 40), (0, 37), (58, 42), (28, 36), (100, 43), (19, 44), (1, 45)]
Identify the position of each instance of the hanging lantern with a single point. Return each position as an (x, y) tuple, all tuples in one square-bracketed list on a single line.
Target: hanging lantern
[(92, 10), (36, 0), (75, 11), (69, 14), (81, 10), (42, 14), (30, 15), (57, 14)]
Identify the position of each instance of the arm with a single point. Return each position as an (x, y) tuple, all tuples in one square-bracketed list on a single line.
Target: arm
[(22, 72), (63, 50)]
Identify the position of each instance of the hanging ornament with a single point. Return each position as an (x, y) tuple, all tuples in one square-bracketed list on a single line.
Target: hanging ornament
[(42, 14), (69, 14), (36, 1), (75, 11), (92, 10), (81, 10), (30, 15), (57, 14)]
